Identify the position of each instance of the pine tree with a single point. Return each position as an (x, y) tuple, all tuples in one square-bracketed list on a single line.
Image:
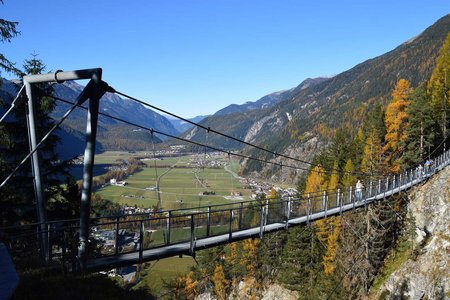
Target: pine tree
[(396, 122), (420, 132), (373, 159), (339, 149), (301, 264), (438, 86), (8, 204), (269, 255), (17, 199), (352, 255), (380, 220), (44, 105), (375, 121), (8, 31)]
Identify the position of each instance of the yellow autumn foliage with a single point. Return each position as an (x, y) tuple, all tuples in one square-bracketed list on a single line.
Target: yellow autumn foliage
[(220, 282), (396, 121), (190, 286)]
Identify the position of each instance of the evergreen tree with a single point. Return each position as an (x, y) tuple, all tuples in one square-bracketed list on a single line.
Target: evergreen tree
[(352, 255), (396, 122), (339, 149), (52, 170), (17, 197), (373, 160), (439, 86), (270, 255), (8, 31), (301, 263), (420, 132), (375, 121)]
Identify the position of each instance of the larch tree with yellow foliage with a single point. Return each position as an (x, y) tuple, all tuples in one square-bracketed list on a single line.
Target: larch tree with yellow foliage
[(396, 122), (328, 229), (349, 178), (333, 185), (220, 282), (315, 185), (190, 286), (329, 259), (248, 257)]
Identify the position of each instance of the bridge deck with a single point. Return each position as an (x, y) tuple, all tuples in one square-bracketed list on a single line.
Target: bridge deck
[(187, 248), (127, 240)]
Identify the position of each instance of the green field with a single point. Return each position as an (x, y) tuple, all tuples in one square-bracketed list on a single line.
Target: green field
[(156, 273), (179, 186)]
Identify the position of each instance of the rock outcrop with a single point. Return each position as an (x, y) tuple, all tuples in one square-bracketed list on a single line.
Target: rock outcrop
[(427, 275)]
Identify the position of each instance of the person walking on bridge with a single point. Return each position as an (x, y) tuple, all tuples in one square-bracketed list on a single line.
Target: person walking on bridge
[(358, 190)]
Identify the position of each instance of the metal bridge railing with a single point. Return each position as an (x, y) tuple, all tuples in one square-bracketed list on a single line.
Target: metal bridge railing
[(115, 236)]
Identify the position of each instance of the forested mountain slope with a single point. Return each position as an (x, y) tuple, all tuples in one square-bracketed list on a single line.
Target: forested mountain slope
[(308, 119), (269, 100)]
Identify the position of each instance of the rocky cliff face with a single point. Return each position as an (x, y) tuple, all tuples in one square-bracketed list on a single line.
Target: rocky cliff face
[(245, 292), (427, 275)]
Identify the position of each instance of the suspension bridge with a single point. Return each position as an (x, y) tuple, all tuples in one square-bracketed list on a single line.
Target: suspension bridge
[(94, 244)]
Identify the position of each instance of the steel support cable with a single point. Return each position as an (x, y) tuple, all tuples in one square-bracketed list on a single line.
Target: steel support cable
[(252, 202), (189, 141), (442, 143), (186, 140), (12, 104), (63, 118), (208, 129)]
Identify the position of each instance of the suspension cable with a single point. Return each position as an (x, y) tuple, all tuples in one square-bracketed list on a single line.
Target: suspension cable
[(64, 117), (201, 145), (208, 129), (12, 104)]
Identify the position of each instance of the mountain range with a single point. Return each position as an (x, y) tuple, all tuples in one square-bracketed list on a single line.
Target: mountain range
[(181, 126), (305, 118), (297, 122), (112, 134), (268, 100)]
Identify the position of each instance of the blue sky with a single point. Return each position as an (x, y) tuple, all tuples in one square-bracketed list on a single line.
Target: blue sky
[(196, 57)]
